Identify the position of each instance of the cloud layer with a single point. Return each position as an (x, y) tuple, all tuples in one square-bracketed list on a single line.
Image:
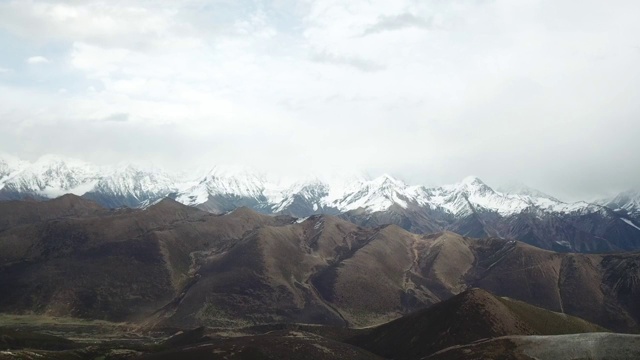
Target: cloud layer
[(537, 91)]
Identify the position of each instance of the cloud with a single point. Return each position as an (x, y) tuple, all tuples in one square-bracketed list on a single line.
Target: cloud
[(5, 70), (34, 60), (94, 21), (117, 117), (538, 92), (397, 22), (358, 63)]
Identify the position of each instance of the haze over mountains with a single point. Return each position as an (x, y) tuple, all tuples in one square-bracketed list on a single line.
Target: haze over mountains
[(469, 207)]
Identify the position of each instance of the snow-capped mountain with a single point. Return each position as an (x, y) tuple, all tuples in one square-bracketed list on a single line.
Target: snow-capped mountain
[(302, 197), (518, 188), (132, 187), (224, 189), (9, 167), (471, 193), (51, 176), (373, 195), (469, 207), (627, 202)]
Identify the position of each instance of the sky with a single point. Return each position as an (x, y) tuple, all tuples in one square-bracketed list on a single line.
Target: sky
[(541, 92)]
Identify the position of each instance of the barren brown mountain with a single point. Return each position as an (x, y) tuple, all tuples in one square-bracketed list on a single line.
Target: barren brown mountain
[(173, 265), (470, 316), (21, 212)]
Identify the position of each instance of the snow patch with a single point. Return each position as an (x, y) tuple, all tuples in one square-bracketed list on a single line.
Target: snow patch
[(630, 223)]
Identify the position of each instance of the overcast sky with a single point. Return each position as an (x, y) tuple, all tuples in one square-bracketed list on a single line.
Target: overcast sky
[(545, 92)]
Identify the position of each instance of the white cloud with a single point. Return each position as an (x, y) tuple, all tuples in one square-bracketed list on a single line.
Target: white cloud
[(434, 91), (100, 22), (37, 60), (397, 22)]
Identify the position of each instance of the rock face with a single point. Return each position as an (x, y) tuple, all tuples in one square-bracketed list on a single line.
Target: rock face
[(470, 207), (175, 265)]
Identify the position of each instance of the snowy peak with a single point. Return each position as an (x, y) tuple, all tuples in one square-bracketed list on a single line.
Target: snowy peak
[(341, 195), (461, 199), (306, 197), (235, 181), (518, 188), (472, 182), (313, 188), (472, 194), (374, 195), (137, 183), (224, 181), (387, 181), (52, 176), (9, 167), (628, 201), (473, 186)]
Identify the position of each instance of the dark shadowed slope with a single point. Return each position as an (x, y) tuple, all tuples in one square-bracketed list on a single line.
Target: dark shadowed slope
[(475, 314), (117, 266)]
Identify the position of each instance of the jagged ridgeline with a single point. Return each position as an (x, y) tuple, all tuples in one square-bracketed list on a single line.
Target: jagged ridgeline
[(470, 208)]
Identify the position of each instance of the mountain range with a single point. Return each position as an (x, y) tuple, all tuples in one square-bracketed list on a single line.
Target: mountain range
[(470, 207), (249, 285), (178, 266)]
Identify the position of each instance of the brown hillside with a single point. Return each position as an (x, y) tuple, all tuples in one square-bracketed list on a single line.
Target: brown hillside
[(473, 315), (189, 268)]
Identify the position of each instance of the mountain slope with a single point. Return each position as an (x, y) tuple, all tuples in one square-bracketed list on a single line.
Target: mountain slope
[(16, 213), (472, 315), (175, 265), (116, 266)]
